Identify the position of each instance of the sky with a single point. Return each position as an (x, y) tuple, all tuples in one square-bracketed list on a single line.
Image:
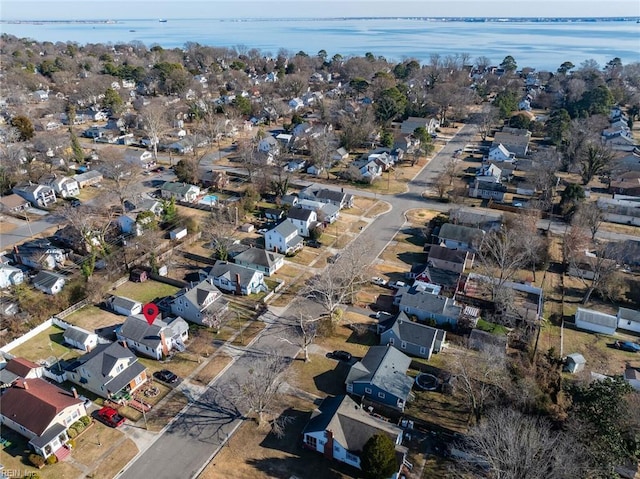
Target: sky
[(150, 9)]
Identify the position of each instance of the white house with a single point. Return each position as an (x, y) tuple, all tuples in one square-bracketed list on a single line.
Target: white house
[(38, 195), (490, 173), (269, 145), (154, 340), (284, 239), (629, 319), (234, 278), (303, 219), (41, 95), (80, 338), (340, 428), (201, 304), (129, 226), (500, 153), (296, 103), (64, 186), (180, 191), (10, 276), (142, 158), (595, 321), (49, 282)]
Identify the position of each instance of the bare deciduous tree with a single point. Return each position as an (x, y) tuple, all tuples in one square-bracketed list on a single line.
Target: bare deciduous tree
[(510, 445), (219, 228), (123, 181), (306, 330), (155, 121), (588, 215)]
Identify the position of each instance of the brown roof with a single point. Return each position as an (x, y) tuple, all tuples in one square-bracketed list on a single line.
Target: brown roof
[(35, 406), (13, 201), (21, 366)]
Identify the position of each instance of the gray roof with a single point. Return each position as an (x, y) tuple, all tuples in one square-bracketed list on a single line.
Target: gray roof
[(223, 269), (136, 328), (351, 426), (447, 254), (330, 209), (629, 314), (413, 332), (331, 195), (200, 294), (101, 360), (427, 302), (577, 358), (285, 228), (301, 214), (384, 367), (77, 334), (87, 175), (177, 325), (47, 279), (176, 187), (463, 234), (123, 302), (596, 317), (259, 257)]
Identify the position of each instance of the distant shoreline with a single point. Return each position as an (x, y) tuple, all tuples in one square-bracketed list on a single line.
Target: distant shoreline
[(291, 19)]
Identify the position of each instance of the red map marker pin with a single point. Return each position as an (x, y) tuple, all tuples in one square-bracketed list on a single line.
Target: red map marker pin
[(150, 312)]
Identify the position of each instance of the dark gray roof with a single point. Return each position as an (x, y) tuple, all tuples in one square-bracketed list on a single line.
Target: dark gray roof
[(425, 301), (47, 279), (76, 334), (463, 234), (351, 426), (123, 302), (136, 328), (259, 257), (332, 195), (301, 214), (447, 254), (285, 228), (384, 367), (223, 269), (413, 332)]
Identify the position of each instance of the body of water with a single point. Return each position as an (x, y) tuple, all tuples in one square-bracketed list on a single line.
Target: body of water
[(542, 45)]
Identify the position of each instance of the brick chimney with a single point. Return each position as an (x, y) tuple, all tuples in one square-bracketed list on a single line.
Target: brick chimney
[(328, 446), (25, 385), (238, 285), (163, 342), (74, 391)]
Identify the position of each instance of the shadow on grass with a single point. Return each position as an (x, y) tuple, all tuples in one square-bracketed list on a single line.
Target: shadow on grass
[(412, 258), (58, 338), (362, 334), (332, 381)]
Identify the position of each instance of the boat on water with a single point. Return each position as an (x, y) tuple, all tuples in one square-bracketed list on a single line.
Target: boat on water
[(132, 31), (162, 20)]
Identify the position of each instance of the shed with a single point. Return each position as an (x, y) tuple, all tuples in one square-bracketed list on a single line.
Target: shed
[(596, 321), (138, 275), (80, 338), (178, 233), (574, 363), (247, 228), (124, 306)]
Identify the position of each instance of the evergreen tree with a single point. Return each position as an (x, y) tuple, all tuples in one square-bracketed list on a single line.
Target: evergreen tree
[(378, 459)]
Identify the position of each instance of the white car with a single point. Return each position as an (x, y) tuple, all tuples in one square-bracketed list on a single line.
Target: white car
[(397, 284), (379, 281)]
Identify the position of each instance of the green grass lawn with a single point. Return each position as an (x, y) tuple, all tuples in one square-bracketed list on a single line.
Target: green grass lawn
[(46, 344), (492, 328), (146, 291)]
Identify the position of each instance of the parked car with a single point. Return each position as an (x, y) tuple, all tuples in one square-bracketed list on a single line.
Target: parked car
[(383, 315), (334, 258), (379, 281), (110, 416), (397, 284), (340, 355), (313, 243), (166, 376), (629, 346)]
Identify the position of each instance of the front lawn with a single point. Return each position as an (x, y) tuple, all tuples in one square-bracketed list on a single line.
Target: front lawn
[(146, 291)]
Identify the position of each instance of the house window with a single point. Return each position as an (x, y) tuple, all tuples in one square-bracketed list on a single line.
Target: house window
[(311, 441), (403, 345), (352, 457), (381, 395), (392, 341), (423, 350)]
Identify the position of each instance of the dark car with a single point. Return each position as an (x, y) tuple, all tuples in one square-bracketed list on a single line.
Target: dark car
[(313, 244), (341, 355), (627, 346), (165, 376)]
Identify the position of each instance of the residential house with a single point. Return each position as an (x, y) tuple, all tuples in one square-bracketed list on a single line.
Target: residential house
[(412, 338), (409, 125), (340, 428), (574, 363), (42, 413), (500, 153), (296, 103), (329, 213), (380, 376), (290, 200), (219, 180), (148, 204), (180, 191), (88, 178), (369, 169), (49, 282), (455, 260), (153, 340), (515, 140), (485, 341), (41, 196), (266, 262), (9, 307), (460, 237), (489, 173), (80, 338), (10, 276), (111, 371), (274, 214), (315, 170), (138, 157), (425, 306), (13, 203), (629, 319), (39, 256), (124, 306), (296, 165), (406, 143), (625, 184), (284, 238), (269, 145), (64, 186), (303, 219), (129, 226), (340, 155), (21, 368), (595, 321), (486, 221), (201, 304), (586, 265), (235, 278), (487, 190), (339, 198), (40, 95)]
